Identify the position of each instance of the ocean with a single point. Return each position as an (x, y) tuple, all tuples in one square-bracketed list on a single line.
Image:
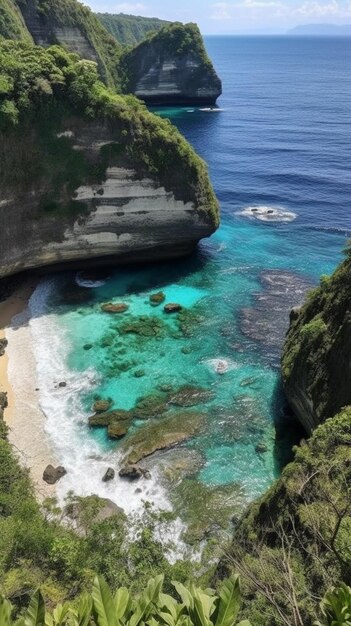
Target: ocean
[(278, 149)]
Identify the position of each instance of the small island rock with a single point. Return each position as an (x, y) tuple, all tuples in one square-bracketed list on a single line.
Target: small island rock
[(172, 308), (119, 307), (109, 475)]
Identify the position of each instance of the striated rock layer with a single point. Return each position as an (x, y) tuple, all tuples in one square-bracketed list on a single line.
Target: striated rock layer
[(172, 67), (317, 353), (129, 216)]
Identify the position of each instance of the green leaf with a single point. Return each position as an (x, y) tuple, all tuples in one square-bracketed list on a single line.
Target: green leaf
[(229, 602), (185, 594), (245, 622), (122, 602), (104, 606), (5, 612), (35, 615)]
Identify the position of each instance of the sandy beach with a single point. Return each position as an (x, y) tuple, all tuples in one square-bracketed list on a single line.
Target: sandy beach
[(23, 415)]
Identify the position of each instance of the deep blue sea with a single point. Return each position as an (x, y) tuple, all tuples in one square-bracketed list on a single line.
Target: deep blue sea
[(279, 152)]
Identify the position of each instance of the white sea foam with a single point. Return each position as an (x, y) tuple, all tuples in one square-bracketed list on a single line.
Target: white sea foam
[(267, 214), (89, 284), (221, 365), (66, 422)]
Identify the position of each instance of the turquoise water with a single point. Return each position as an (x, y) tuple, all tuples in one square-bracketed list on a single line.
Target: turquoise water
[(280, 141)]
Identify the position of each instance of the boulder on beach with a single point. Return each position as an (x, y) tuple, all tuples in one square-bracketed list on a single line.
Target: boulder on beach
[(52, 475), (118, 307), (117, 430), (105, 419), (3, 346), (109, 475), (172, 307), (157, 298)]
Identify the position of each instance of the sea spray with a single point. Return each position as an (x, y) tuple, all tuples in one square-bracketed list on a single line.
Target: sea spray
[(75, 447)]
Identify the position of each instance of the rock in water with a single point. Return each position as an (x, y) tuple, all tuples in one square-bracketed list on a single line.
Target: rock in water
[(172, 308), (53, 474), (131, 472), (157, 298), (172, 67), (117, 430), (109, 475), (268, 320), (101, 406), (110, 307)]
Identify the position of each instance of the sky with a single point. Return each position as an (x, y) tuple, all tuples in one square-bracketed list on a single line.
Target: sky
[(235, 16)]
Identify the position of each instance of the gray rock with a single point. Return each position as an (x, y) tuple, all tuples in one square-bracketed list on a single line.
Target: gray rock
[(131, 472), (53, 474), (172, 308), (109, 475)]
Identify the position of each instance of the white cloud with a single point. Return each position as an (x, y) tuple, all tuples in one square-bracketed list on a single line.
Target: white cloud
[(258, 9)]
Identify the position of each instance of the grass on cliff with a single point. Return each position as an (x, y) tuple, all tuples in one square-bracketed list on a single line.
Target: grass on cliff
[(40, 89), (130, 30), (12, 25), (294, 543), (317, 344), (70, 13)]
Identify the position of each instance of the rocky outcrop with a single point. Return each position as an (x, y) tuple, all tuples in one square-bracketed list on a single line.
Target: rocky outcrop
[(74, 26), (172, 67), (130, 216), (52, 475), (317, 354)]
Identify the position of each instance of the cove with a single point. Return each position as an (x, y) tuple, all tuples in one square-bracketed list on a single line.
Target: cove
[(269, 146)]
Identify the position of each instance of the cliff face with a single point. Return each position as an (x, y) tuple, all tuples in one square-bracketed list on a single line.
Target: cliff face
[(171, 67), (87, 175), (12, 24), (70, 24), (317, 354), (292, 544), (127, 217)]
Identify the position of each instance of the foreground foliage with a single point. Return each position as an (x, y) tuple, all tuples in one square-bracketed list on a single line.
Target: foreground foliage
[(103, 608)]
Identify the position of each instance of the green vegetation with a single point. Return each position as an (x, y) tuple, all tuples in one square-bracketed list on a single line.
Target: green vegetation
[(47, 15), (294, 543), (175, 40), (40, 89), (152, 607), (12, 25), (129, 30), (316, 354)]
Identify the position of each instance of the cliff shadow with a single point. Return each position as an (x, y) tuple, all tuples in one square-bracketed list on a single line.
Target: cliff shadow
[(288, 430)]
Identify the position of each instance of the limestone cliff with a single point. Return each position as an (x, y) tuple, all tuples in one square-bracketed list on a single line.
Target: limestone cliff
[(317, 354), (87, 175), (70, 24), (172, 67)]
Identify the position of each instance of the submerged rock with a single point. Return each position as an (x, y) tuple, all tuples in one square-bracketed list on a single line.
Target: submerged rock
[(105, 419), (109, 475), (172, 307), (268, 320), (143, 326), (190, 396), (52, 475), (101, 406), (157, 298), (150, 406), (162, 435), (110, 307), (117, 430)]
